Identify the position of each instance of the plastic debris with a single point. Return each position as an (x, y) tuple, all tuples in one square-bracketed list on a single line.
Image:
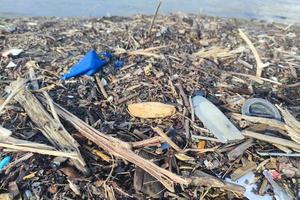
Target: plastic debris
[(88, 65), (279, 193), (7, 28), (247, 181), (27, 195), (151, 110), (118, 64), (4, 162), (260, 108), (215, 120), (11, 64), (162, 31), (12, 52)]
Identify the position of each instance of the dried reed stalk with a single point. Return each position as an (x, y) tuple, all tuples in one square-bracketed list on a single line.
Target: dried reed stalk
[(49, 126), (121, 149), (7, 141)]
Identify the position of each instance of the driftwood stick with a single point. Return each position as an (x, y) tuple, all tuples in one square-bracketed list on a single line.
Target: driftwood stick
[(259, 64), (153, 18), (272, 140), (148, 142), (23, 145), (101, 87), (160, 132), (49, 126), (121, 149)]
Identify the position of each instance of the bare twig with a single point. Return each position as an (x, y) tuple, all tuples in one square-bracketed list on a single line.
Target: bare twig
[(160, 132), (19, 84), (148, 142), (23, 145), (126, 98), (278, 154), (259, 80), (272, 140), (101, 87), (153, 18), (259, 64)]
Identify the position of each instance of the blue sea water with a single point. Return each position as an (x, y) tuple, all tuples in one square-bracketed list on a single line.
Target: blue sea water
[(272, 10)]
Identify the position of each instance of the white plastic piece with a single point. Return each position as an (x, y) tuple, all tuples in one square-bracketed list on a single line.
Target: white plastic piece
[(13, 52), (215, 120), (247, 181), (11, 64)]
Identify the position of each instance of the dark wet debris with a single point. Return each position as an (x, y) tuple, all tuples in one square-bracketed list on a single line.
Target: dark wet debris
[(183, 55)]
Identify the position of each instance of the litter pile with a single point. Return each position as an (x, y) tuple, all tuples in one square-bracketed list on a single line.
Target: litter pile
[(180, 107)]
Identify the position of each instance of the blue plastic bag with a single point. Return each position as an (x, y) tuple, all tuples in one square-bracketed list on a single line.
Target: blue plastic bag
[(88, 65)]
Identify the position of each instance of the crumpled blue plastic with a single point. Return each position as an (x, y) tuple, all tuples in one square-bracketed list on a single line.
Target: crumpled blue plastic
[(118, 64), (4, 162), (88, 65)]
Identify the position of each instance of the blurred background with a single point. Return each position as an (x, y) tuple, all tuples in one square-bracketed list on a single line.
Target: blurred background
[(287, 11)]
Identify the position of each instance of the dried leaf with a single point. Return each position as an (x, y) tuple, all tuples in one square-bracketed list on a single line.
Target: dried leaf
[(151, 110)]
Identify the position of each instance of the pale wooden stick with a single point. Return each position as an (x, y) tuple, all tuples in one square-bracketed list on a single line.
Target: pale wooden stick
[(49, 126), (23, 145), (101, 87), (160, 132), (148, 142), (259, 80), (262, 120), (272, 140), (18, 86), (259, 64)]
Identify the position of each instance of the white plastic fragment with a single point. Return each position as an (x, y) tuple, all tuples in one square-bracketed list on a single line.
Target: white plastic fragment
[(215, 120), (11, 64), (247, 181), (104, 82), (13, 52)]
